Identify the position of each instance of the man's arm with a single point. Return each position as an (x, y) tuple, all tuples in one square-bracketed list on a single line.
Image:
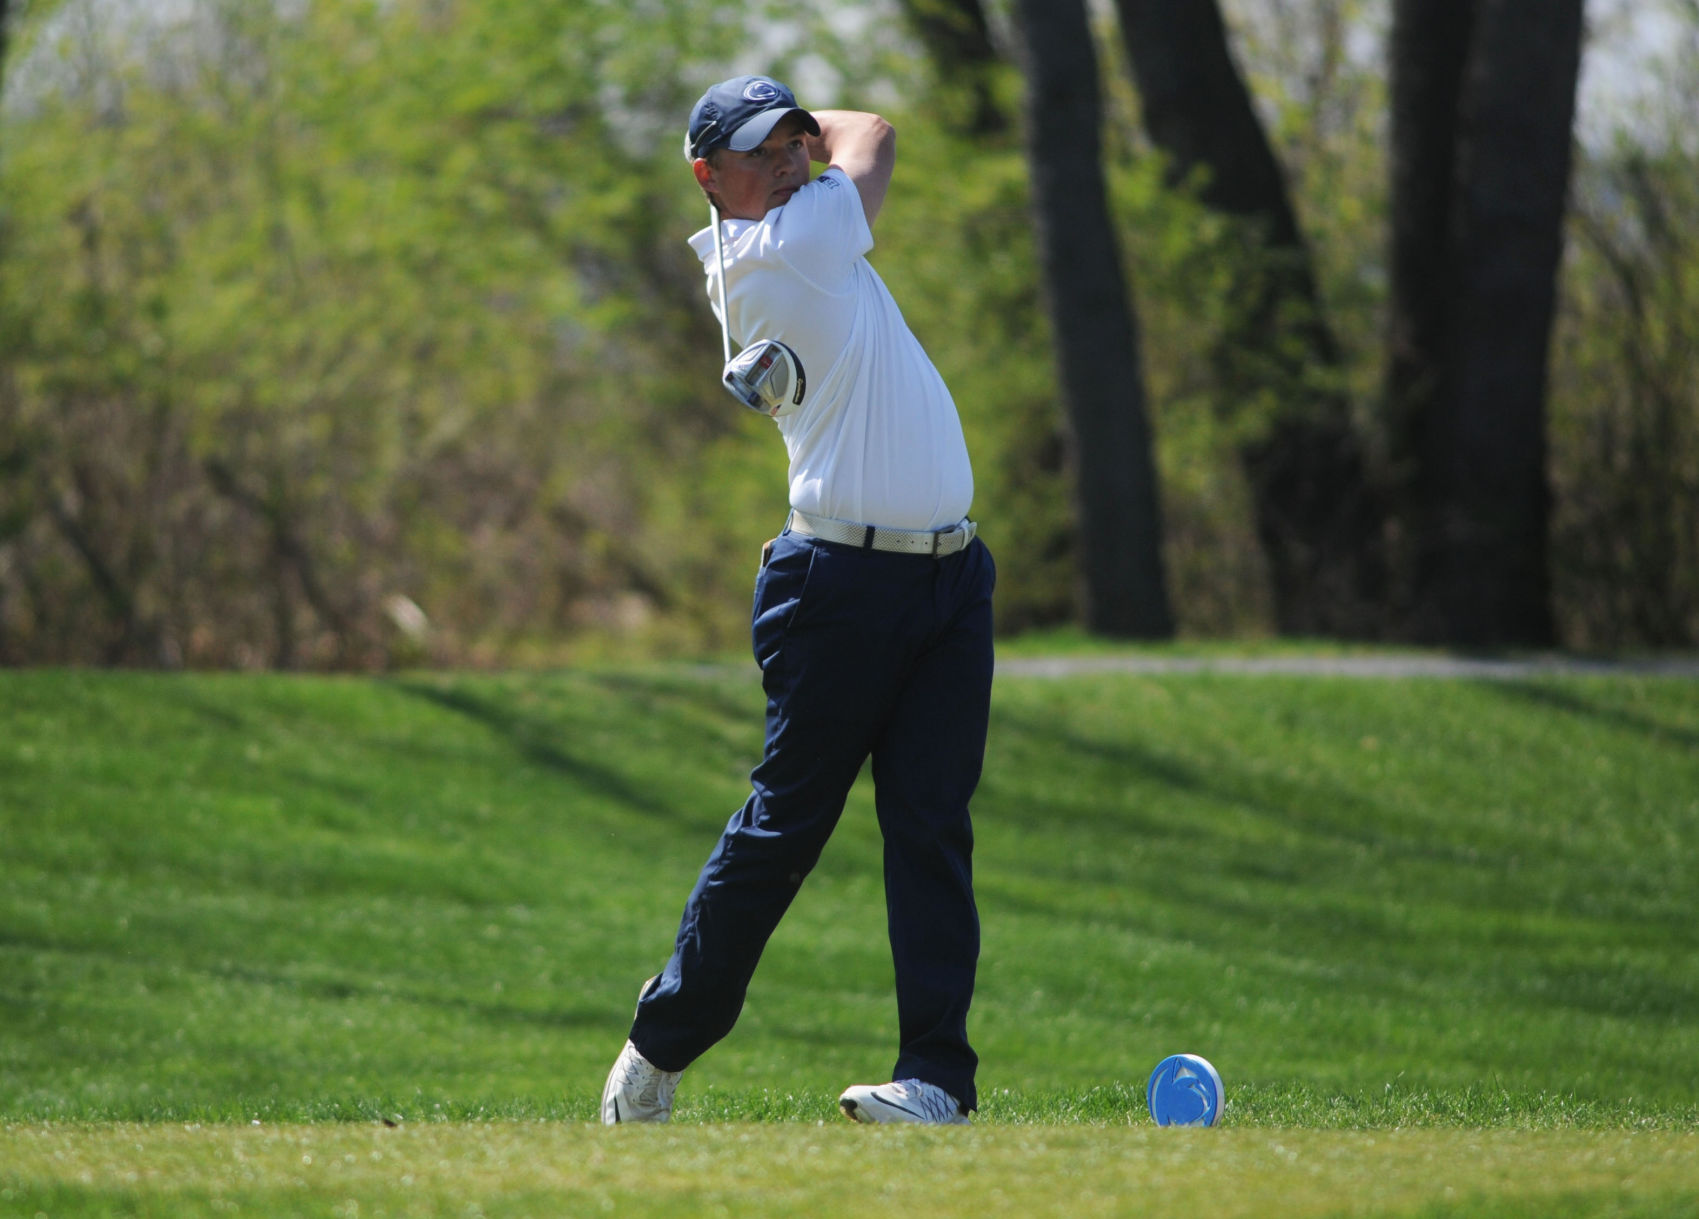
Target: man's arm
[(864, 146)]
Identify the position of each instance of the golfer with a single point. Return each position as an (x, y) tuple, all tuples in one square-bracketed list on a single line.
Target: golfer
[(872, 616)]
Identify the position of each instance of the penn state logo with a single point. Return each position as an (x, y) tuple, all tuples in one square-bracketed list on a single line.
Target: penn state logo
[(1185, 1090), (761, 92)]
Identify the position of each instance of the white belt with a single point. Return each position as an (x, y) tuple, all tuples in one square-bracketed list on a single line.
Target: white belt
[(870, 537)]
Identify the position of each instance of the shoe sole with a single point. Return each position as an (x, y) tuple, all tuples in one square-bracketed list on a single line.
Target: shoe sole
[(851, 1109)]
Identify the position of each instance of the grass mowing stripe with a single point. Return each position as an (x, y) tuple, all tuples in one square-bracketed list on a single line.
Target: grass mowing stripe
[(514, 1169)]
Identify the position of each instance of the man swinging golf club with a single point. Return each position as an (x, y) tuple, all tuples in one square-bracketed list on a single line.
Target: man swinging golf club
[(872, 617)]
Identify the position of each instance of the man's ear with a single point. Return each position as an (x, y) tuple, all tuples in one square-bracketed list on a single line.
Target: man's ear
[(705, 176)]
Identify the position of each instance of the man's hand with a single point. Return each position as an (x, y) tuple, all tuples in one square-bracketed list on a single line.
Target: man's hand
[(864, 146)]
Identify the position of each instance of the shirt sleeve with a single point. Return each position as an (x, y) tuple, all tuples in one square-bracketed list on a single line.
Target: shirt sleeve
[(822, 231)]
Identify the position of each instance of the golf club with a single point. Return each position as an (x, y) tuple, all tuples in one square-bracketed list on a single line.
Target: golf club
[(765, 376)]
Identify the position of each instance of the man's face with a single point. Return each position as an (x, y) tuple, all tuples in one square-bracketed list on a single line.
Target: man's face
[(751, 184)]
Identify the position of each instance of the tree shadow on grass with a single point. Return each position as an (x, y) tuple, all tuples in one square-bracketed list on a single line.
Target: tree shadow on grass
[(704, 692), (1325, 821), (1571, 702), (1301, 871), (342, 990), (538, 739)]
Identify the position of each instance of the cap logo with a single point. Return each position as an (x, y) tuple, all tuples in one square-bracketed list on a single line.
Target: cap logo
[(760, 91)]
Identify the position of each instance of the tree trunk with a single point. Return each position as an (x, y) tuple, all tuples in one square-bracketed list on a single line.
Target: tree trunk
[(1320, 519), (957, 39), (1483, 106), (1095, 332)]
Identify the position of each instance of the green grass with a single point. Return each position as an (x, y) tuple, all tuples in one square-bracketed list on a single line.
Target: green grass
[(526, 1169), (1407, 920)]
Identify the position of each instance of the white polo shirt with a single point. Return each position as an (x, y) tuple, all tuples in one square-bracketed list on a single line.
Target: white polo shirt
[(877, 439)]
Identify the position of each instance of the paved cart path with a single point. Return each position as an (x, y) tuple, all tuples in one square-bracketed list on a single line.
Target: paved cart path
[(1680, 667)]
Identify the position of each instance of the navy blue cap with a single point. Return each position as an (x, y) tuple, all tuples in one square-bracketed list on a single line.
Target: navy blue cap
[(739, 113)]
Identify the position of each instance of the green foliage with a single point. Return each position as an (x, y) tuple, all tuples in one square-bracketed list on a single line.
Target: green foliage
[(1184, 265), (1200, 278), (378, 300), (956, 247), (1625, 402), (958, 251), (361, 333), (405, 311)]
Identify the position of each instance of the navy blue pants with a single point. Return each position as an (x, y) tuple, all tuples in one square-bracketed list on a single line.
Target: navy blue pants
[(862, 653)]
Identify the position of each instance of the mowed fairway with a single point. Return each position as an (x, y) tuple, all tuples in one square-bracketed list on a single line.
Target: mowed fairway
[(1440, 937), (523, 1169)]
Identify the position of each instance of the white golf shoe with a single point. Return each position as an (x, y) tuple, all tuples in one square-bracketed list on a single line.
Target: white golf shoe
[(637, 1090), (906, 1100)]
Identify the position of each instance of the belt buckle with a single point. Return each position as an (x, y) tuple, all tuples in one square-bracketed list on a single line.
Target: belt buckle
[(960, 527)]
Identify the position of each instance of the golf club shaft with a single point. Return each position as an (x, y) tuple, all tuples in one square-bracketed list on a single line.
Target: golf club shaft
[(720, 255)]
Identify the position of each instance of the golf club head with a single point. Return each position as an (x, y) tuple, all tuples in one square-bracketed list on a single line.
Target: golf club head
[(766, 377)]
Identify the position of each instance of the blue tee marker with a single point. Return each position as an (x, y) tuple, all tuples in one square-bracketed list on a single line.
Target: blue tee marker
[(1185, 1090)]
